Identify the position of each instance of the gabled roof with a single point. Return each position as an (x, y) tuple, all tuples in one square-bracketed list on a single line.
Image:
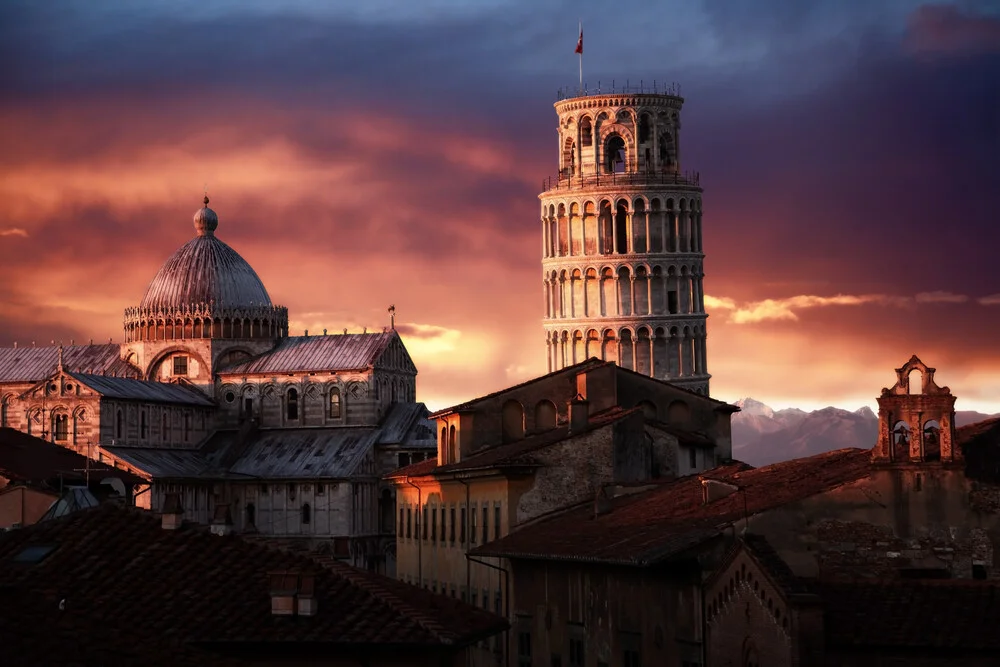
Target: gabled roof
[(25, 458), (107, 562), (640, 529), (593, 362), (407, 424), (143, 390), (33, 364), (338, 352), (515, 454)]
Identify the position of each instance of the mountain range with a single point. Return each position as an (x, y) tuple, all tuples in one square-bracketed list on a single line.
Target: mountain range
[(762, 436)]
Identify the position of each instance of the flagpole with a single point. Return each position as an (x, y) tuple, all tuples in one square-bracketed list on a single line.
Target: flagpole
[(581, 58)]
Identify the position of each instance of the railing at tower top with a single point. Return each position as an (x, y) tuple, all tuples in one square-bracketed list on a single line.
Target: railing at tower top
[(643, 88), (566, 180)]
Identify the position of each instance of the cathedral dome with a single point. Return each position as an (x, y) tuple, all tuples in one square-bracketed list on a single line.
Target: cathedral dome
[(205, 271)]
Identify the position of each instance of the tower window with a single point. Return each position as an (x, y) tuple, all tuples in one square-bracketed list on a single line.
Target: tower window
[(614, 155), (335, 403), (180, 365), (292, 404)]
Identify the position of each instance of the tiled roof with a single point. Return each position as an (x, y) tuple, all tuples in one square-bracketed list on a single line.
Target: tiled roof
[(339, 352), (188, 586), (640, 528), (593, 362), (512, 454), (143, 390), (407, 424), (927, 614), (161, 462), (305, 453), (25, 458), (33, 364)]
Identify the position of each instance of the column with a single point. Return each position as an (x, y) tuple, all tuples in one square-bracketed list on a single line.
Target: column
[(631, 295), (682, 368)]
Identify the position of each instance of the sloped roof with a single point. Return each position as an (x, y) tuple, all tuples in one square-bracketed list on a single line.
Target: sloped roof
[(408, 424), (33, 364), (512, 454), (640, 528), (338, 352), (162, 462), (25, 458), (110, 561), (143, 390), (305, 453)]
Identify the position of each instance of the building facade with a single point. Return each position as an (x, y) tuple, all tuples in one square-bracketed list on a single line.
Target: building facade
[(587, 431), (622, 263), (209, 397)]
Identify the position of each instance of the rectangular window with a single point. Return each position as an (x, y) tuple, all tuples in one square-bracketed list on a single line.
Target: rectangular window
[(472, 528), (693, 457), (400, 531), (409, 519), (402, 460), (672, 302), (475, 598), (576, 656), (444, 522), (486, 517), (434, 524), (320, 489), (523, 649), (496, 522), (461, 529), (451, 527), (180, 365), (425, 523)]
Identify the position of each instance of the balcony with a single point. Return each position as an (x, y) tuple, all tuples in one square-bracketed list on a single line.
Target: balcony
[(567, 181)]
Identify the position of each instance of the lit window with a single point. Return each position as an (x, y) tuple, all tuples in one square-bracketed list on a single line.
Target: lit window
[(180, 365), (60, 427), (335, 403)]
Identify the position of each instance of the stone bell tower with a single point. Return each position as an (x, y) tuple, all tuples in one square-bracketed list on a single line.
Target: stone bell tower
[(621, 227), (916, 419)]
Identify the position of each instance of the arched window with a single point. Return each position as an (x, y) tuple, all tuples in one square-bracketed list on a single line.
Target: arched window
[(678, 413), (306, 513), (614, 155), (118, 425), (335, 403), (394, 395), (648, 409), (586, 131), (143, 427), (452, 445), (3, 413), (292, 404), (545, 415), (512, 421), (251, 513), (60, 427)]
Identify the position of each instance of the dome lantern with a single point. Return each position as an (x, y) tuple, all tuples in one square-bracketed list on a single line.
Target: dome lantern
[(206, 221)]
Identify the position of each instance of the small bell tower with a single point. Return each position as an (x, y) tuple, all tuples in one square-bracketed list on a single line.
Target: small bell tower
[(916, 419)]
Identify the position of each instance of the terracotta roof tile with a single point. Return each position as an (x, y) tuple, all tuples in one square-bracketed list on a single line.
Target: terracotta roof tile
[(25, 458), (110, 561), (946, 614), (646, 527)]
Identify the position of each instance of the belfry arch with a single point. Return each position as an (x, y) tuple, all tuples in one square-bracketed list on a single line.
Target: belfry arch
[(916, 423)]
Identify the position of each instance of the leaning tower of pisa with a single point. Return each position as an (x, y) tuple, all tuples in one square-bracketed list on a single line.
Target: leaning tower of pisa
[(621, 227)]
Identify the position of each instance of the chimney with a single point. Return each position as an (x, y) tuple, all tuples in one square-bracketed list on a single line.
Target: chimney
[(284, 586), (713, 489), (222, 522), (307, 333), (173, 513), (602, 502), (579, 414), (306, 599)]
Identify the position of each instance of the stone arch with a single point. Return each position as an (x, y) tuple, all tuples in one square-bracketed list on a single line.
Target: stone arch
[(648, 409), (901, 437), (157, 361), (615, 149), (606, 228), (609, 346), (643, 351), (678, 412), (545, 415), (914, 388), (579, 353), (627, 346), (569, 155), (586, 130), (291, 403), (592, 344), (641, 290), (5, 404), (609, 293), (512, 418), (661, 364)]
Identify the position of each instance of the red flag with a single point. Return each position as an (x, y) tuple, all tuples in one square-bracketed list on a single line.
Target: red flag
[(579, 43)]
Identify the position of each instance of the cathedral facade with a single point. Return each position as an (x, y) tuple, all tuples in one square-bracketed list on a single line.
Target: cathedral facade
[(212, 401), (622, 265)]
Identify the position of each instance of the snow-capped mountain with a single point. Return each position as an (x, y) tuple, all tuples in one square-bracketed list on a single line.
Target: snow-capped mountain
[(762, 435)]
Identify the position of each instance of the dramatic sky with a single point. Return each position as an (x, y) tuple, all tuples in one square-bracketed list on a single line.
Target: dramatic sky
[(390, 152)]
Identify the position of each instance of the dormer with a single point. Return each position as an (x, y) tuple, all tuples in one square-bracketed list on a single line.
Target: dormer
[(454, 436), (916, 419)]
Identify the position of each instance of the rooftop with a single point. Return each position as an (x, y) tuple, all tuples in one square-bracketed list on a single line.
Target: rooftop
[(30, 460), (143, 390), (338, 352), (34, 364), (107, 562), (647, 527)]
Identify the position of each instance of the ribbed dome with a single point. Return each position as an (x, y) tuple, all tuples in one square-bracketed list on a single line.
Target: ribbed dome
[(205, 271)]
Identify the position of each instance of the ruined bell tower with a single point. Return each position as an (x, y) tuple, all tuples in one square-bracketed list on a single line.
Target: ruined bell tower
[(916, 419), (622, 256)]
